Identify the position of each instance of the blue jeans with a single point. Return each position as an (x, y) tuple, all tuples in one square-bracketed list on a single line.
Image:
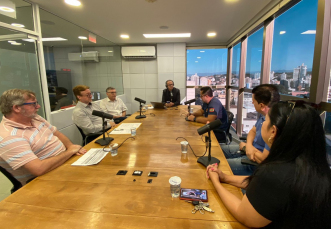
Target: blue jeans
[(241, 169)]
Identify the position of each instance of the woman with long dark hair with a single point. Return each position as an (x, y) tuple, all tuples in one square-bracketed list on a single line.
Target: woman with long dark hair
[(291, 188)]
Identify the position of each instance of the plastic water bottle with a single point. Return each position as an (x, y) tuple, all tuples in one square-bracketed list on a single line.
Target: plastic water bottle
[(114, 149)]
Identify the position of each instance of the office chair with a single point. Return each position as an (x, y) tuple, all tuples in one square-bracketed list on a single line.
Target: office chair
[(16, 184), (87, 138), (227, 135)]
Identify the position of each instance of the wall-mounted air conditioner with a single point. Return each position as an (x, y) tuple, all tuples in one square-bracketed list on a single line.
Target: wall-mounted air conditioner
[(138, 52), (84, 56)]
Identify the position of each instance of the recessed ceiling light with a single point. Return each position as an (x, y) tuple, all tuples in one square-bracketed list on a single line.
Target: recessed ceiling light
[(17, 25), (211, 34), (12, 42), (82, 38), (16, 43), (202, 51), (282, 32), (110, 51), (199, 57), (73, 2), (170, 35), (47, 39), (309, 32), (6, 9), (124, 36)]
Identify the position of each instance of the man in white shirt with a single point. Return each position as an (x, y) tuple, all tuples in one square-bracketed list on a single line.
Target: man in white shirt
[(113, 105)]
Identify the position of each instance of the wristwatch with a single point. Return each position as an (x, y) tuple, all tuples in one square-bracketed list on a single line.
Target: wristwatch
[(195, 119)]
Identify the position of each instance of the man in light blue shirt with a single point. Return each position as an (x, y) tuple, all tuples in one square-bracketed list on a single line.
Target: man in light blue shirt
[(263, 97)]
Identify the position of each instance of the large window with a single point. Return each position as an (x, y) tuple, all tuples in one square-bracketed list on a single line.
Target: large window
[(235, 65), (253, 59), (250, 115), (293, 49)]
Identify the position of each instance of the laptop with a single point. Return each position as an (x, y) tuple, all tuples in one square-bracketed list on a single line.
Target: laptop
[(158, 105)]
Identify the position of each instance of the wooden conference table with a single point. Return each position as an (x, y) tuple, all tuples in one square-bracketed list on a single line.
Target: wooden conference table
[(95, 197)]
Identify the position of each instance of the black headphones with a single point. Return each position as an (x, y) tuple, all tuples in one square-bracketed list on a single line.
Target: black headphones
[(167, 82)]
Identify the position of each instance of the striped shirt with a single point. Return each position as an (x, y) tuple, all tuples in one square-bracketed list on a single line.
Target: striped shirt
[(20, 144)]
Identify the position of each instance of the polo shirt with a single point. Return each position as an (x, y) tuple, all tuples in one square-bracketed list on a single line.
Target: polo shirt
[(258, 141), (215, 107), (20, 144)]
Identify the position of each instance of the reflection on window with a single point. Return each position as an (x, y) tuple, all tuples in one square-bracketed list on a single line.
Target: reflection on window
[(194, 93), (253, 61), (206, 67), (328, 99), (250, 115), (293, 49), (233, 106), (235, 65)]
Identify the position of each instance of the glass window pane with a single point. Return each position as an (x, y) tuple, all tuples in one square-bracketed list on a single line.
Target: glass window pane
[(235, 65), (233, 106), (253, 61), (206, 67), (250, 115), (328, 99), (293, 49), (194, 93), (18, 13), (19, 66)]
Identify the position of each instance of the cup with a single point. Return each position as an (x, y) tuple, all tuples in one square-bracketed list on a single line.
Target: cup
[(133, 131), (175, 186), (184, 145), (184, 158), (114, 149), (191, 110)]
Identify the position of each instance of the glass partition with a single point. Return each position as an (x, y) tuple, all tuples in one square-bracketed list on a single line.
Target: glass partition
[(235, 65)]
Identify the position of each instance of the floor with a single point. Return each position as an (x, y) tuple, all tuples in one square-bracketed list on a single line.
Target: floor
[(5, 187)]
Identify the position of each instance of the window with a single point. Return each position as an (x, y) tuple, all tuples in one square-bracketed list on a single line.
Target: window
[(194, 93), (233, 106), (206, 67), (235, 65), (293, 49), (254, 57), (250, 115)]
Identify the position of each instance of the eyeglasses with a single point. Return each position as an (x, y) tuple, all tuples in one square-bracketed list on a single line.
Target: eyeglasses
[(202, 96), (112, 92), (87, 95), (301, 102), (170, 84), (292, 105), (34, 103)]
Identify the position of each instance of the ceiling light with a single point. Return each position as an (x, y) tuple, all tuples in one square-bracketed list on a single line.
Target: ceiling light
[(202, 51), (47, 39), (211, 34), (124, 36), (110, 51), (82, 38), (170, 35), (199, 57), (16, 43), (17, 25), (73, 2), (12, 42), (282, 32), (6, 9), (309, 32)]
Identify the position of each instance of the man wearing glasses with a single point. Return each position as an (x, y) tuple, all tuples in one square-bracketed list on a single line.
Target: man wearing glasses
[(211, 110), (29, 145), (113, 105), (171, 95), (82, 114)]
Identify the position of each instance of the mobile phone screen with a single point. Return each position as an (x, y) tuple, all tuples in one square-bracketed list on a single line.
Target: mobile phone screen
[(193, 194)]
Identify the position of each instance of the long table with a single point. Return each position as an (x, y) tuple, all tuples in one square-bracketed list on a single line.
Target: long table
[(95, 197)]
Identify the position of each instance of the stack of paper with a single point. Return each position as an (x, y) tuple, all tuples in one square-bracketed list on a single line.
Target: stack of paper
[(92, 157)]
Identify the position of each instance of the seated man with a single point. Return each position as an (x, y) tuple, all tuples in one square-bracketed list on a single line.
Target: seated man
[(113, 105), (212, 109), (29, 145), (82, 114), (62, 99), (264, 96), (171, 95)]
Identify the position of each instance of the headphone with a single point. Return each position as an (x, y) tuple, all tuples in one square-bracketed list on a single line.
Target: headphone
[(167, 82)]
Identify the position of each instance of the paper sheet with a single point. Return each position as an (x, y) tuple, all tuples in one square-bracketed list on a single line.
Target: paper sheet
[(91, 157), (125, 128)]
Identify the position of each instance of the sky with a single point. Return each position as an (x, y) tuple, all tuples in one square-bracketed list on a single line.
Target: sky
[(289, 50)]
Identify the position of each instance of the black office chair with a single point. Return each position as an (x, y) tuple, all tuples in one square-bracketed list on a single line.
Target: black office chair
[(16, 184), (87, 138), (226, 134)]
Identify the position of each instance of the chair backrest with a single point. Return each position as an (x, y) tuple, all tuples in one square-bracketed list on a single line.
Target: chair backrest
[(82, 133), (230, 119), (13, 180)]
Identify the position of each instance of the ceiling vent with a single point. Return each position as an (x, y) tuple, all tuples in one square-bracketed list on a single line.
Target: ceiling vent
[(91, 56), (138, 52)]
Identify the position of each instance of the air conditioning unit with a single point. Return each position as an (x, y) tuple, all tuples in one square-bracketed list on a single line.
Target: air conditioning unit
[(84, 56), (138, 52)]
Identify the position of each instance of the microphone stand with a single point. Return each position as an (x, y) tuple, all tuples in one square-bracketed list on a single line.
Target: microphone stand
[(140, 116), (104, 141), (205, 161)]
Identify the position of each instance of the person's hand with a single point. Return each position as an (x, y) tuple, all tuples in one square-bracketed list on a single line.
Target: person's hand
[(191, 118), (74, 148), (171, 104), (250, 152), (188, 114), (241, 145), (213, 175), (112, 124), (214, 168), (82, 151)]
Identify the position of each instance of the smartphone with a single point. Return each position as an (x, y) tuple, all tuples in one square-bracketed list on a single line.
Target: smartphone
[(193, 194)]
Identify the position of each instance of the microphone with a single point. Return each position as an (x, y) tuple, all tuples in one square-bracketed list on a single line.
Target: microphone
[(102, 114), (190, 101), (210, 126), (140, 100)]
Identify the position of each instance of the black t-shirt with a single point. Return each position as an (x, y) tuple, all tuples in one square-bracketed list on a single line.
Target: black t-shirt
[(269, 193)]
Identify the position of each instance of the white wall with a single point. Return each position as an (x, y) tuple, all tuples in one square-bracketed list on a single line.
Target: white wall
[(146, 79)]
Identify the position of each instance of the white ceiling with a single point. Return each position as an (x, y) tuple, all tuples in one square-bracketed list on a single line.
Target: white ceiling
[(110, 18)]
